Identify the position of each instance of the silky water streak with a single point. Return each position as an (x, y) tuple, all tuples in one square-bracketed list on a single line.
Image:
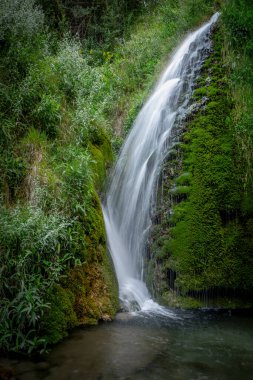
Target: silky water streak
[(131, 194)]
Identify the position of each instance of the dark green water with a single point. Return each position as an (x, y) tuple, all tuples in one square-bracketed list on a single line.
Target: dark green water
[(194, 346)]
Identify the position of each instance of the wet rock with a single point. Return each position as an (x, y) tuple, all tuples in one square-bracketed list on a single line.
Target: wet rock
[(7, 373), (124, 316)]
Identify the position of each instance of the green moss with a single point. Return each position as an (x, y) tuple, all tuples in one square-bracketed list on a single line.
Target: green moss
[(180, 190), (60, 317), (101, 151), (88, 292), (99, 165), (208, 233), (184, 179), (199, 92), (197, 243), (172, 299), (101, 291), (94, 230)]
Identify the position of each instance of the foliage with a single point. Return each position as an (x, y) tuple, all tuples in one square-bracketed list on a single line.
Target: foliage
[(62, 98), (100, 22), (35, 249), (238, 29), (238, 19), (19, 18)]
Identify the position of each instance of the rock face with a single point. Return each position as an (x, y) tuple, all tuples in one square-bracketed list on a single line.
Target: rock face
[(199, 247)]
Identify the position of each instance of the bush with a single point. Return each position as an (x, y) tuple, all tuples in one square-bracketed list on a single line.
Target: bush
[(35, 251), (47, 115), (238, 19), (20, 18)]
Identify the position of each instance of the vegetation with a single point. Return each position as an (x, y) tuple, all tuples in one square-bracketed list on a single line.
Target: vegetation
[(72, 79), (206, 249)]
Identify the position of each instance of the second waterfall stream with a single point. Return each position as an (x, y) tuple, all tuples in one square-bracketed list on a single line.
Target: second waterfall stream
[(132, 191)]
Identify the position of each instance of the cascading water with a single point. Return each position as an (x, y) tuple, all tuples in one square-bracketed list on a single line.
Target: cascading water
[(131, 195)]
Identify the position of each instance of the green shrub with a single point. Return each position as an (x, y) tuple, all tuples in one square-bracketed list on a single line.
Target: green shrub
[(35, 252), (238, 19), (20, 18), (47, 114)]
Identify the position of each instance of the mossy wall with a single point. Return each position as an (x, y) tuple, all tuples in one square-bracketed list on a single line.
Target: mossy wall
[(88, 292), (201, 245)]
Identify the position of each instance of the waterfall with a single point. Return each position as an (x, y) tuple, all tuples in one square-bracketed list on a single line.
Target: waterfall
[(132, 191)]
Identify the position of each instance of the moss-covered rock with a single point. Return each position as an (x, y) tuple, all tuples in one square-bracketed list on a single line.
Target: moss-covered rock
[(60, 317), (206, 232), (101, 152), (88, 292)]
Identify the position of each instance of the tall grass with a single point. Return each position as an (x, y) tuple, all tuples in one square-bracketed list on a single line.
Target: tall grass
[(35, 249)]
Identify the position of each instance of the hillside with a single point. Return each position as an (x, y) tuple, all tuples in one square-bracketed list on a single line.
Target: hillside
[(73, 77)]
